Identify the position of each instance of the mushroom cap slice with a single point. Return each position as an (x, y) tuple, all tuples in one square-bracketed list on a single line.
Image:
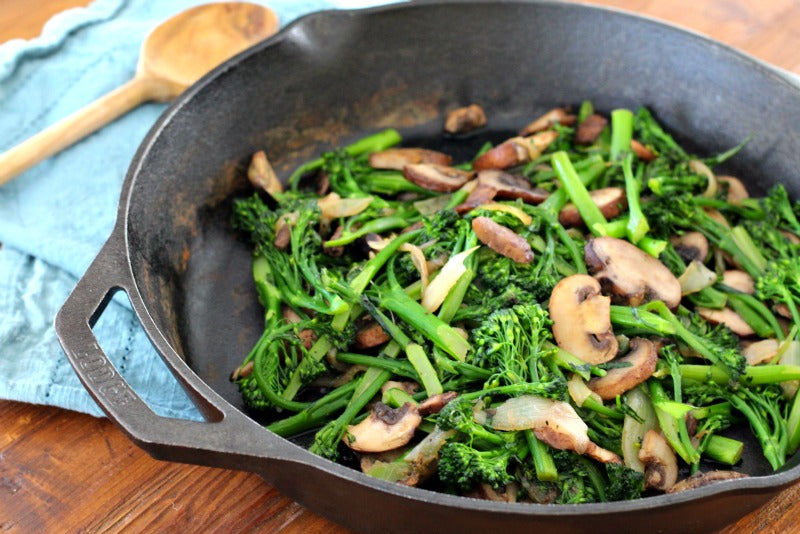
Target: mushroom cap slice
[(433, 177), (502, 240), (465, 119), (590, 129), (629, 274), (739, 280), (691, 246), (481, 194), (554, 116), (729, 318), (509, 186), (643, 358), (397, 158), (737, 191), (610, 200), (581, 319), (384, 429), (642, 152), (698, 480), (660, 462), (510, 153)]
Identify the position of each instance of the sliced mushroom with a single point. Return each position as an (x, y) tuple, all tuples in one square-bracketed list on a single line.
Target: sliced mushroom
[(729, 318), (581, 319), (502, 240), (397, 158), (660, 462), (793, 239), (466, 119), (641, 151), (602, 455), (482, 194), (610, 200), (433, 177), (509, 186), (384, 429), (642, 359), (629, 274), (370, 336), (739, 280), (435, 403), (486, 492), (335, 252), (514, 151), (691, 246), (283, 235), (306, 336), (737, 191), (590, 129), (554, 116), (261, 174), (698, 480), (783, 310), (760, 351)]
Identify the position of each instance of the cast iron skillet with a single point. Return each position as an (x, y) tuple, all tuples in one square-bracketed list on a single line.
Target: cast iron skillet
[(332, 77)]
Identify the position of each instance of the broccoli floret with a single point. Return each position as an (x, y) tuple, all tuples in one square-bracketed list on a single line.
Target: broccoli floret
[(463, 467), (624, 483)]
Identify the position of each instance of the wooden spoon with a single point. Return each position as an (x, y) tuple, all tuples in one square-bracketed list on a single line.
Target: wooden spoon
[(174, 55)]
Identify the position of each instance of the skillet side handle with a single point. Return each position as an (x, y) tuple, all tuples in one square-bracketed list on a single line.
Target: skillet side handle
[(228, 439)]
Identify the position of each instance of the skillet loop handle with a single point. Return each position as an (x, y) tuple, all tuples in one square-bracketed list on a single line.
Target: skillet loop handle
[(225, 439)]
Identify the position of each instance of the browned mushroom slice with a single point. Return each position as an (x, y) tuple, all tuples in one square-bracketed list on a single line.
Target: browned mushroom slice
[(691, 246), (590, 129), (660, 462), (610, 200), (641, 151), (283, 234), (554, 116), (433, 177), (737, 191), (370, 336), (502, 240), (602, 455), (783, 310), (261, 174), (729, 318), (397, 158), (629, 274), (509, 186), (307, 336), (384, 429), (515, 151), (739, 280), (486, 492), (760, 351), (435, 403), (642, 357), (581, 319), (482, 194), (698, 480), (466, 119)]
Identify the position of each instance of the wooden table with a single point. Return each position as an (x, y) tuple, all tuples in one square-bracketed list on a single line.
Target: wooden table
[(65, 472)]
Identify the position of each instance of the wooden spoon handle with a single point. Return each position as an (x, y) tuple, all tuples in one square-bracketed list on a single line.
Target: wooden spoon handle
[(76, 126)]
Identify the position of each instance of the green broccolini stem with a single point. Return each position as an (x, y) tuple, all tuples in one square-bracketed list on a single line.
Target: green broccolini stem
[(637, 225), (427, 374), (576, 191), (754, 375), (621, 132), (315, 414), (722, 449), (372, 143), (375, 226), (546, 470)]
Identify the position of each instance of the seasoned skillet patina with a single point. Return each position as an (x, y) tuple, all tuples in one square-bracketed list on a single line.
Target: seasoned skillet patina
[(329, 79)]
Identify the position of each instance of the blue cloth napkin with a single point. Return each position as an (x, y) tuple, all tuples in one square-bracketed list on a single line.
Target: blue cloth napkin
[(55, 217)]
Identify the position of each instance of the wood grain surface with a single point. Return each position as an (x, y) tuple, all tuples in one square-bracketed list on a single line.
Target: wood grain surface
[(66, 472)]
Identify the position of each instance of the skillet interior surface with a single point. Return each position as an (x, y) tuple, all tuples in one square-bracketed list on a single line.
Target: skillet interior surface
[(336, 76)]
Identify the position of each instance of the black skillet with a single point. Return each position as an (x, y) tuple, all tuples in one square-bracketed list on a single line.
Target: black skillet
[(330, 78)]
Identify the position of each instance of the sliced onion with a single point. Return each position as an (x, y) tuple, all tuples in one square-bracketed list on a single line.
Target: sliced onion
[(633, 431), (760, 351), (537, 413), (376, 242), (512, 210), (418, 258), (438, 289), (696, 277), (790, 356), (579, 391), (701, 168), (333, 206)]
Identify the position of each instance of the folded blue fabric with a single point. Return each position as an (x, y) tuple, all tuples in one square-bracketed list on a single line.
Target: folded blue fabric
[(55, 217)]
